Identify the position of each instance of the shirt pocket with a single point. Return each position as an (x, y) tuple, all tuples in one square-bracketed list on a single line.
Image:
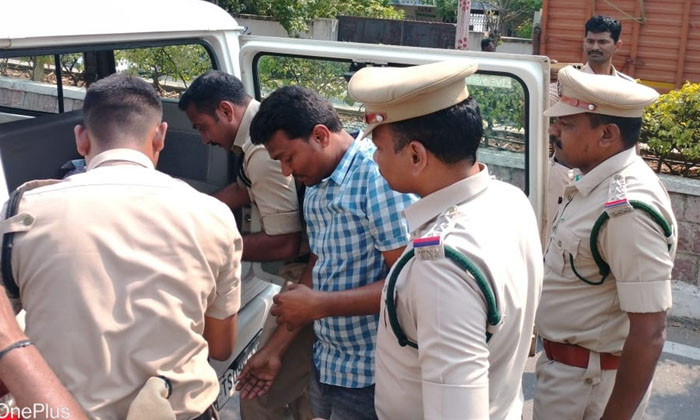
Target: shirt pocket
[(564, 247)]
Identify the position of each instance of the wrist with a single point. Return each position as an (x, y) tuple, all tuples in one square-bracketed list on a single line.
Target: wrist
[(321, 305), (4, 351), (9, 337)]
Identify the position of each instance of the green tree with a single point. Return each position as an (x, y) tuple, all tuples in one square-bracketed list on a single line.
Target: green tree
[(447, 10), (506, 16), (671, 129), (175, 62), (294, 15), (323, 76)]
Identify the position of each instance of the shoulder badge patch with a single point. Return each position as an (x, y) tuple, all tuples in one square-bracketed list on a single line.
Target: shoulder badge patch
[(617, 197), (430, 248)]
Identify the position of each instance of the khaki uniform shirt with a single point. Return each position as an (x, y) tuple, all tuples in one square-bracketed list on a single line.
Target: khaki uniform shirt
[(613, 72), (560, 175), (274, 194), (455, 374), (632, 244), (117, 272)]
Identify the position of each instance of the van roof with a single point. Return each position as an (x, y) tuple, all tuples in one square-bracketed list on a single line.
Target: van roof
[(26, 24)]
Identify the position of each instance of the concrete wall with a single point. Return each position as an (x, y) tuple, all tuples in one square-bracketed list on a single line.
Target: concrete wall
[(25, 94), (323, 29), (327, 29), (685, 198)]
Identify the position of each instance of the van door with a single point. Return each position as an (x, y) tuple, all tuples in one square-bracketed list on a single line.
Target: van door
[(511, 90)]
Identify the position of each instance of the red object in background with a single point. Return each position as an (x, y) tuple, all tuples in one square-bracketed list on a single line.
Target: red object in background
[(5, 413)]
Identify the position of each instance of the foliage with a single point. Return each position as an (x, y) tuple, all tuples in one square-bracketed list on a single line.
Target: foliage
[(447, 10), (671, 128), (499, 105), (524, 30), (72, 66), (293, 15), (506, 15), (325, 77), (177, 62)]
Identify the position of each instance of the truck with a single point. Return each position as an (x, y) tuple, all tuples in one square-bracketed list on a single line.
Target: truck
[(50, 52), (660, 38)]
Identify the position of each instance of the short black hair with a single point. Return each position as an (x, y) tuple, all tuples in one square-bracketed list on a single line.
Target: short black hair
[(630, 127), (598, 24), (296, 111), (485, 43), (119, 106), (451, 134), (208, 90)]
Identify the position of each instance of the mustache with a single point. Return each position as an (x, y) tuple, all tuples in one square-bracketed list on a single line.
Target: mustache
[(595, 52), (555, 141)]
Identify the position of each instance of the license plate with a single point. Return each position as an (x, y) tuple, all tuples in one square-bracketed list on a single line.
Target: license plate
[(228, 381)]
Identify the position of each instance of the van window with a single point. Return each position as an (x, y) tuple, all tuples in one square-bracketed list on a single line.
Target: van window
[(501, 99), (29, 83), (503, 149), (170, 69), (327, 77)]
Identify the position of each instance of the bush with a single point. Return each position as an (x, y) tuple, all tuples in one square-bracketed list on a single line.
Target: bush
[(671, 129)]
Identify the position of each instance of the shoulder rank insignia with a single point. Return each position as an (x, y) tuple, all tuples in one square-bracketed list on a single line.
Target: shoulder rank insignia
[(617, 197), (430, 248)]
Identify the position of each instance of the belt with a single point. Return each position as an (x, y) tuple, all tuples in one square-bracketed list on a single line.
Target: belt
[(573, 355)]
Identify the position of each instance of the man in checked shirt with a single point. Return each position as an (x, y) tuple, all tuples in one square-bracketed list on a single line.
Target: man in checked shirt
[(356, 233)]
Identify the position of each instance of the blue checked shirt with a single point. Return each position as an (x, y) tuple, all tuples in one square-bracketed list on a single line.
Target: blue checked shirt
[(352, 216)]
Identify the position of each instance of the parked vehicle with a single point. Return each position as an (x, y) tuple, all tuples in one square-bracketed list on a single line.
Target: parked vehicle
[(50, 52), (659, 46)]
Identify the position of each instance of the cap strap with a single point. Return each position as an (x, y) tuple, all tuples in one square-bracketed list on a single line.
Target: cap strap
[(578, 103)]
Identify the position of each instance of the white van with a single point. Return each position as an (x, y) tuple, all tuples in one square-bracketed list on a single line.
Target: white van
[(50, 51)]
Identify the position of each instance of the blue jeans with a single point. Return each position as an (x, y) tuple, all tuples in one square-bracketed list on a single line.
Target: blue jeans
[(332, 402)]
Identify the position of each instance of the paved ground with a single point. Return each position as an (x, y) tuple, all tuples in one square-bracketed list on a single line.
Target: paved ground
[(676, 385), (676, 393)]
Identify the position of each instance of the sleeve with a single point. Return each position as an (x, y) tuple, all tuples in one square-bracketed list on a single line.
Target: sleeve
[(385, 207), (275, 195), (637, 251), (6, 226), (228, 282), (449, 313)]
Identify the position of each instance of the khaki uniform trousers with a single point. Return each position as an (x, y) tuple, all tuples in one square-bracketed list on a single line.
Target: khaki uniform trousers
[(566, 392), (290, 388)]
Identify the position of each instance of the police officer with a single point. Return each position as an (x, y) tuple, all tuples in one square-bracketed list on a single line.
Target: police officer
[(125, 273), (458, 307), (608, 261), (601, 42), (220, 109)]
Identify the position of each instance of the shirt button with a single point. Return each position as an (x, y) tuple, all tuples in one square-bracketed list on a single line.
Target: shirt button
[(28, 220), (589, 381), (559, 244)]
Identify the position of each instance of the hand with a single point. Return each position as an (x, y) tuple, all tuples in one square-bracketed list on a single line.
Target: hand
[(296, 307), (258, 374)]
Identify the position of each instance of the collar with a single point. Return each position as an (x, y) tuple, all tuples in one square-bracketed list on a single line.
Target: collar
[(605, 170), (243, 134), (341, 171), (120, 155), (587, 69), (432, 205)]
